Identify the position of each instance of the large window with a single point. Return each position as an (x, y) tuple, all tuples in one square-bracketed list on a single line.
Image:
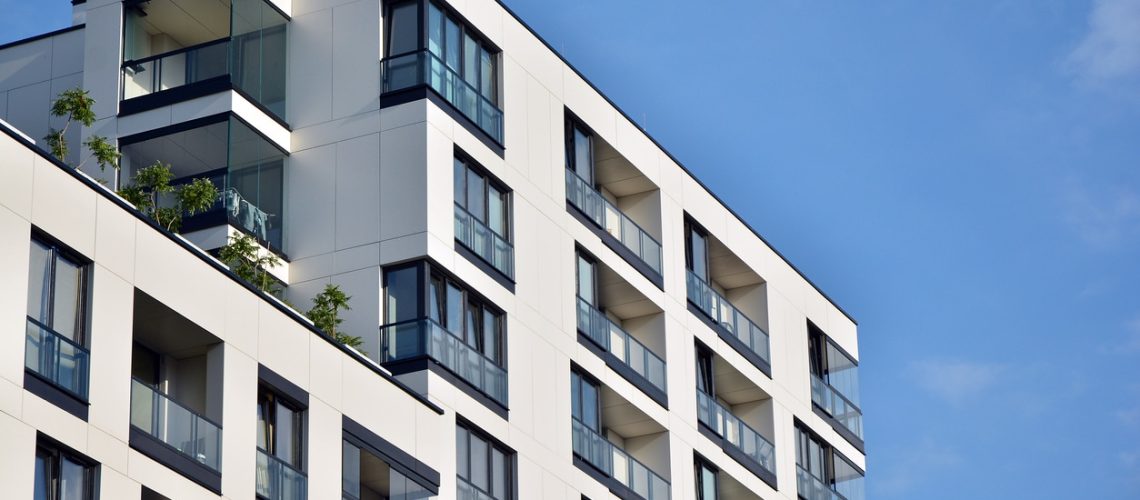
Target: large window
[(706, 480), (280, 447), (482, 464), (463, 51), (579, 151), (585, 401), (56, 334), (587, 278), (467, 316), (368, 475), (62, 475), (821, 469), (483, 215), (835, 383), (696, 251)]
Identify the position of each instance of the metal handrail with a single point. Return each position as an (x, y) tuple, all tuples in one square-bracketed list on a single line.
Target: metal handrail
[(53, 357), (182, 50), (423, 345), (273, 485), (467, 238), (763, 451), (852, 423), (711, 306), (587, 313), (604, 461), (574, 181)]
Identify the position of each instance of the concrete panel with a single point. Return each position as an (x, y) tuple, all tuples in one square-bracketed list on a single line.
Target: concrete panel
[(63, 207), (17, 466), (356, 58), (310, 68), (239, 425), (357, 181), (16, 190), (14, 257), (311, 183), (112, 304), (115, 239), (403, 183), (282, 345), (25, 64)]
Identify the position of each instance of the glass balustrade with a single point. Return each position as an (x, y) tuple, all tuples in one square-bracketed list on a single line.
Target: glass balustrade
[(837, 405), (420, 68), (810, 487), (611, 337), (277, 480), (426, 337), (590, 202), (487, 244), (56, 358), (715, 306), (175, 69), (735, 431), (616, 463), (468, 491), (189, 433)]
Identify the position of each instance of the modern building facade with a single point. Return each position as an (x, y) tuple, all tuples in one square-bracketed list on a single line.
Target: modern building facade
[(551, 306)]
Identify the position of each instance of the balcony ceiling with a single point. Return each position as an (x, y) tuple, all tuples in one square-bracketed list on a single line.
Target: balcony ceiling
[(734, 387), (616, 174), (188, 22), (189, 152), (161, 329), (621, 298), (624, 418), (727, 269)]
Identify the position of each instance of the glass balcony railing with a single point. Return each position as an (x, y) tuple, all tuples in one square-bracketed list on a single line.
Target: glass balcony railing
[(468, 491), (176, 68), (614, 462), (810, 487), (426, 337), (728, 316), (587, 199), (179, 427), (420, 68), (837, 405), (56, 358), (487, 244), (277, 480), (735, 431), (609, 336)]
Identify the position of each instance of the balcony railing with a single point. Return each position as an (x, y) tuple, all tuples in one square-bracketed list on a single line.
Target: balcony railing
[(424, 337), (56, 358), (232, 208), (487, 244), (420, 68), (468, 491), (614, 462), (186, 431), (609, 336), (176, 68), (728, 316), (810, 487), (837, 405), (277, 480), (588, 200), (735, 431)]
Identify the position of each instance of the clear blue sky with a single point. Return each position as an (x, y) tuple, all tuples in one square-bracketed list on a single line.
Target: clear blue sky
[(963, 177)]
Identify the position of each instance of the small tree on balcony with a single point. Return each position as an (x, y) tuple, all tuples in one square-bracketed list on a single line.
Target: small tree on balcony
[(326, 314), (246, 260), (151, 185), (76, 106)]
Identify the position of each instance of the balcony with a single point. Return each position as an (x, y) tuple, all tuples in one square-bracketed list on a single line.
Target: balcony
[(277, 480), (180, 428), (206, 48), (832, 401), (605, 214), (729, 319), (617, 464), (735, 432), (612, 338), (811, 488), (418, 69), (57, 359), (426, 338), (486, 244), (468, 491), (246, 168)]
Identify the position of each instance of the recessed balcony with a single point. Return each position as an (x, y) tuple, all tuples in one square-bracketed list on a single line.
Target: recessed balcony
[(187, 50), (246, 168), (277, 480), (736, 414)]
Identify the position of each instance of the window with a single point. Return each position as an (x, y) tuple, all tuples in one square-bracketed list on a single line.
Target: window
[(579, 151), (825, 468), (587, 279), (464, 52), (483, 464), (482, 215), (696, 251), (280, 425), (828, 362), (706, 480), (57, 291), (585, 405), (367, 475), (403, 28), (704, 370), (62, 475)]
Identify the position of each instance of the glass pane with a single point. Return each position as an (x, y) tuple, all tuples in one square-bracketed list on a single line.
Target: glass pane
[(586, 280), (698, 248), (498, 474), (284, 434), (475, 195), (402, 295), (470, 60), (848, 480), (263, 423), (39, 282), (435, 299), (842, 374), (487, 75), (461, 452), (590, 405), (460, 183), (435, 30), (454, 309), (491, 336), (479, 476), (72, 480), (42, 476), (496, 211), (67, 315), (403, 29), (474, 325), (451, 43), (350, 475), (583, 162)]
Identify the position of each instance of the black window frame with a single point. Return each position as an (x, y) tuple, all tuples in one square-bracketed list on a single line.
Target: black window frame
[(56, 250), (691, 227), (580, 255), (819, 364), (704, 366), (586, 378), (268, 398), (803, 436), (573, 124), (699, 464), (56, 452), (511, 464), (472, 166)]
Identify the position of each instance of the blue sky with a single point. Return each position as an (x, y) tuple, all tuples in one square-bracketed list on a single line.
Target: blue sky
[(963, 177)]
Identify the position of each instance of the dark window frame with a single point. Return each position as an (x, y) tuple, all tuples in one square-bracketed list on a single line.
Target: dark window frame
[(511, 464), (705, 363), (700, 464), (805, 435), (572, 123), (586, 378), (56, 452), (692, 226), (271, 398), (470, 165), (56, 250), (580, 254)]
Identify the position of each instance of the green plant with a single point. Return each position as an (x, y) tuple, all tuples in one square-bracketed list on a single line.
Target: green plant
[(326, 314), (150, 183), (76, 105), (246, 260)]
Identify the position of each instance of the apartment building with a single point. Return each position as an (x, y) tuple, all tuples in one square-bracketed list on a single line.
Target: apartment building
[(551, 306)]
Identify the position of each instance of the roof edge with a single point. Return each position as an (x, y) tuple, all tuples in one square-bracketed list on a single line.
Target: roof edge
[(41, 36)]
